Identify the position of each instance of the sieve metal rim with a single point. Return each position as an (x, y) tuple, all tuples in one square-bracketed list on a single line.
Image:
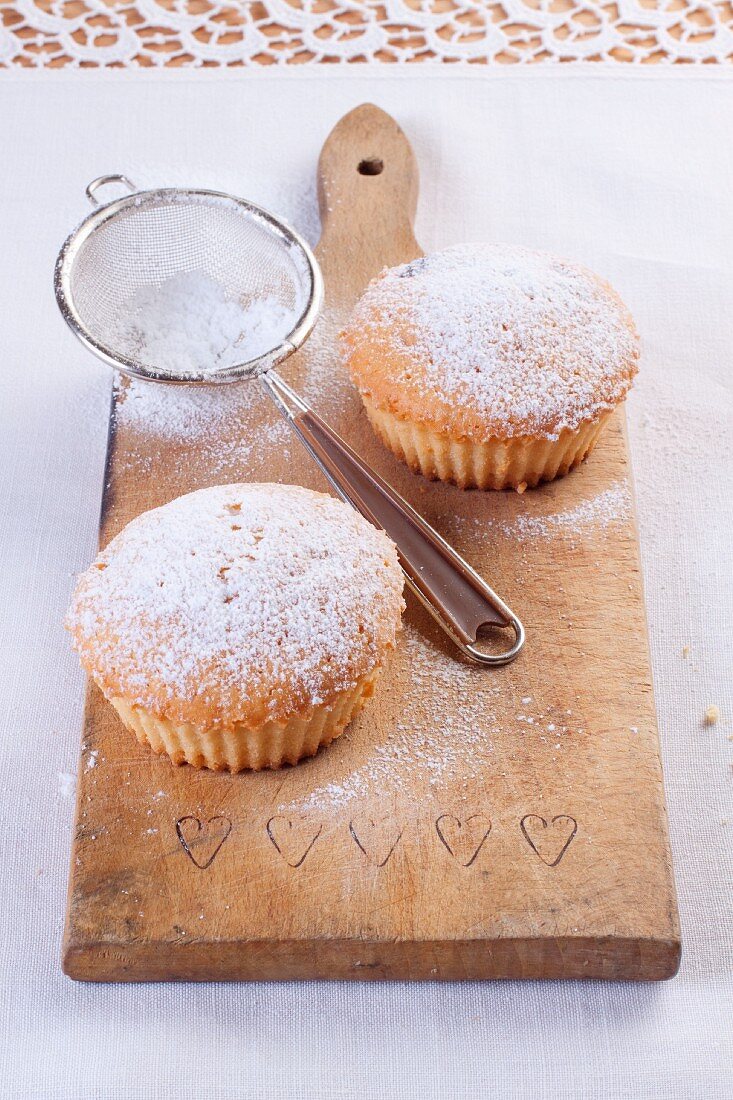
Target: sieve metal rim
[(234, 373)]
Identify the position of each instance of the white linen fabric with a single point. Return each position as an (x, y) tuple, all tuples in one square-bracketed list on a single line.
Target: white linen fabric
[(629, 173)]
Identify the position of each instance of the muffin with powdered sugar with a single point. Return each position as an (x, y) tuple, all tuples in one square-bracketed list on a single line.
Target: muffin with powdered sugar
[(241, 626), (490, 366)]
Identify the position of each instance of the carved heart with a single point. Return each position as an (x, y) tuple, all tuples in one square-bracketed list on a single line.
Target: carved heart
[(293, 838), (549, 842), (201, 840), (377, 839), (463, 839)]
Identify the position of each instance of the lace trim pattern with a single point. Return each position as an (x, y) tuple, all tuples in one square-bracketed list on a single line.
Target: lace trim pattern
[(228, 33)]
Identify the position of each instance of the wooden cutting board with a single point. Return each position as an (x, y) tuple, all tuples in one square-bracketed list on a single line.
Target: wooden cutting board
[(472, 823)]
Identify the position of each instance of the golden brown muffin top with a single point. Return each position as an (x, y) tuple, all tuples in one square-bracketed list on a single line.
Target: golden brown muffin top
[(238, 603), (492, 342)]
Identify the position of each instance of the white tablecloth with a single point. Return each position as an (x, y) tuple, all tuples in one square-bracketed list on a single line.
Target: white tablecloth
[(631, 172)]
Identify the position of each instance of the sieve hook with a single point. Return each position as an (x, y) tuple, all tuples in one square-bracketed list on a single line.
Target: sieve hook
[(102, 181)]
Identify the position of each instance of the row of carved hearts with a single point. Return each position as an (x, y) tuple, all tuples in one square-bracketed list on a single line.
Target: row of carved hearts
[(294, 837)]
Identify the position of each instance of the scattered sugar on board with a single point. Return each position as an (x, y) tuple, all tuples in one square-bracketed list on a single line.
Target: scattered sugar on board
[(429, 747), (195, 413), (208, 417), (609, 507), (606, 509), (427, 744)]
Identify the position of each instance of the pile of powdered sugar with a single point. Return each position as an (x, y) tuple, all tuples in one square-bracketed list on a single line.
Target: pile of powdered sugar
[(525, 341), (204, 415), (187, 324)]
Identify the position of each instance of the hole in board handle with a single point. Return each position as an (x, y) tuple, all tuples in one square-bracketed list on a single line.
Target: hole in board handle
[(370, 166)]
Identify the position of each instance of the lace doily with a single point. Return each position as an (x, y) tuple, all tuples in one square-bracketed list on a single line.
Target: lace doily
[(211, 33)]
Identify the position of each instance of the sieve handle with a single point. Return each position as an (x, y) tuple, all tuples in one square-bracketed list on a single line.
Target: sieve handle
[(102, 181), (454, 594)]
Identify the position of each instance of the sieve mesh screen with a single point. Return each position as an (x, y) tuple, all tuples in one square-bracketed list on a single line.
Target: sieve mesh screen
[(157, 236)]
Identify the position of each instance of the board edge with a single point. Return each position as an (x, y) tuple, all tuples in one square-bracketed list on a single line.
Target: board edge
[(598, 958)]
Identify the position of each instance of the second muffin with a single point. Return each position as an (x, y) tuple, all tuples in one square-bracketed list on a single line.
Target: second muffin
[(490, 366), (241, 626)]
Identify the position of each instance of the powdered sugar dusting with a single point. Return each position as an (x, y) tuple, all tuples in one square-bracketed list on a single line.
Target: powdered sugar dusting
[(207, 416), (428, 743), (609, 507), (205, 419), (447, 731), (183, 412), (518, 341), (244, 597)]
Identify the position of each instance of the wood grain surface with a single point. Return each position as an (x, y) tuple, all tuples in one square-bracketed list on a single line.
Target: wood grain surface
[(472, 823)]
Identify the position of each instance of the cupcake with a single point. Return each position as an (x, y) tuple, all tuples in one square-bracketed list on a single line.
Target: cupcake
[(241, 626), (490, 366)]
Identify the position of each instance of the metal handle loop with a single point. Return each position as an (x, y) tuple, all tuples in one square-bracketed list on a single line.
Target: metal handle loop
[(101, 181), (497, 659)]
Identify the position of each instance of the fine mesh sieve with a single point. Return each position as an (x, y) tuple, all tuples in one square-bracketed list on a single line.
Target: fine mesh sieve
[(149, 237), (144, 240)]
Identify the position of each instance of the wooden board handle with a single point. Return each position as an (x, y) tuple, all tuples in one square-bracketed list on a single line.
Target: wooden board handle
[(367, 190)]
